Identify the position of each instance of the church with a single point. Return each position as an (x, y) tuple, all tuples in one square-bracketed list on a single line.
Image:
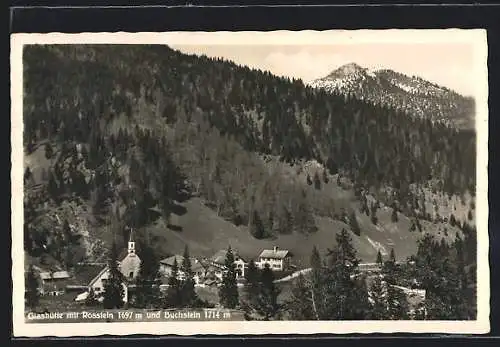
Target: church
[(129, 266)]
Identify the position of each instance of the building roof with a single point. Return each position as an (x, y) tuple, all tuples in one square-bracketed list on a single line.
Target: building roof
[(220, 256), (84, 273), (57, 275), (369, 267), (196, 265), (101, 273), (275, 254), (122, 254), (170, 260)]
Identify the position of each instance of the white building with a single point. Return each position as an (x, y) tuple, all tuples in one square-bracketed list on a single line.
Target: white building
[(129, 266), (218, 264), (167, 264), (278, 259)]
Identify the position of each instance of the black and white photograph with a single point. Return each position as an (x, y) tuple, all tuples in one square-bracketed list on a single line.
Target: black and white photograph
[(335, 180)]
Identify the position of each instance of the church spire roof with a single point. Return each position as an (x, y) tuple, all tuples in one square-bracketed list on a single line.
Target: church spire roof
[(131, 243)]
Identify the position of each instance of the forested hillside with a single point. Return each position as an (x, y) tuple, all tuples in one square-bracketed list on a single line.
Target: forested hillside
[(147, 137)]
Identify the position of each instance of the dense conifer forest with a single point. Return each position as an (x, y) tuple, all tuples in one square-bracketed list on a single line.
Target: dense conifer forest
[(126, 134)]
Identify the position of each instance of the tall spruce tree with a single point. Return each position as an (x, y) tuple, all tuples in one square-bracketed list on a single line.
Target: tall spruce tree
[(32, 294), (341, 292), (257, 227), (317, 284), (148, 291), (317, 181), (251, 290), (389, 269), (394, 215), (378, 295), (392, 256), (353, 221), (379, 260), (173, 297), (189, 296), (113, 288), (268, 307), (228, 293), (299, 306), (325, 177), (397, 303)]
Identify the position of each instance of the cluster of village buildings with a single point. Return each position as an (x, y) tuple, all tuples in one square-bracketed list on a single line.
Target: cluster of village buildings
[(206, 271)]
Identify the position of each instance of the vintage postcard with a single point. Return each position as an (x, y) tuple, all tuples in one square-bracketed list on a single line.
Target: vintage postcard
[(283, 182)]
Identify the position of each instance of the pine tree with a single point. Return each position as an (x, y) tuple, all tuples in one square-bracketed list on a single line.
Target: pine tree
[(251, 290), (53, 187), (341, 293), (304, 219), (379, 260), (378, 296), (299, 305), (398, 308), (317, 181), (392, 256), (325, 177), (394, 216), (91, 299), (389, 268), (417, 223), (354, 223), (358, 302), (189, 296), (309, 180), (413, 227), (374, 217), (32, 294), (344, 253), (49, 152), (173, 298), (147, 290), (257, 228), (436, 270), (453, 221), (317, 284), (228, 293), (364, 206), (113, 288), (268, 296)]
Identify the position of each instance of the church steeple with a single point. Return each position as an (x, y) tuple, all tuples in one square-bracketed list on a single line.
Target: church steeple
[(131, 243)]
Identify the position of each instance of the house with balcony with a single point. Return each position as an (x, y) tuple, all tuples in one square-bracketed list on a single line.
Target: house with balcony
[(217, 264), (167, 264), (278, 259)]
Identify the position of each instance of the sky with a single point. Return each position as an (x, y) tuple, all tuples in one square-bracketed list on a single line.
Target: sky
[(447, 64)]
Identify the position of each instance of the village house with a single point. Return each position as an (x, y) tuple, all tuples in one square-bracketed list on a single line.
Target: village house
[(167, 264), (369, 267), (278, 259), (129, 266), (217, 264), (53, 283)]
